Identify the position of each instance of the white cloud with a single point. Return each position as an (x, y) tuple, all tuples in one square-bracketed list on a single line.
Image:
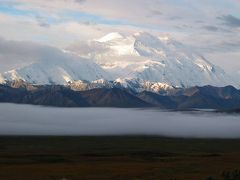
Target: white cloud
[(15, 54), (62, 22)]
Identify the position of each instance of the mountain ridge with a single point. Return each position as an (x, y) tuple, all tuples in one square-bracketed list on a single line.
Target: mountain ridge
[(155, 59), (140, 61), (206, 97)]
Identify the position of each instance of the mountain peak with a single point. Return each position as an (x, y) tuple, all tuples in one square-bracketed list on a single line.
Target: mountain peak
[(142, 33), (145, 35), (115, 57), (110, 36)]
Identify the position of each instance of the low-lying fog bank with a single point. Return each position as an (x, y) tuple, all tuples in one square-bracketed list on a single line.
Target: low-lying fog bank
[(37, 120)]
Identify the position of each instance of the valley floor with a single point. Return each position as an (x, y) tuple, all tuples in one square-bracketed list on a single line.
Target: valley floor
[(119, 157)]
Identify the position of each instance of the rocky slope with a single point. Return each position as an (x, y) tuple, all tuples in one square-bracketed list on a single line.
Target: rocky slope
[(207, 97)]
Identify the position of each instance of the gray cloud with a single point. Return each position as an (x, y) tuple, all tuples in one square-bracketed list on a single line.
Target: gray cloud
[(199, 21), (230, 20), (88, 23), (211, 28), (42, 22), (15, 54), (156, 12), (175, 18), (80, 1)]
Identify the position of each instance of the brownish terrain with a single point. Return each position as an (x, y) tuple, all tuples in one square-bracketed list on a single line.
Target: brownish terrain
[(66, 158)]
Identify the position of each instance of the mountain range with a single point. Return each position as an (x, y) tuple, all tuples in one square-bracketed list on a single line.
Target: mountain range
[(139, 59), (206, 97), (136, 70)]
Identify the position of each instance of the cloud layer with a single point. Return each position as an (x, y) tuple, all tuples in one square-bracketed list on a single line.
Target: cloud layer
[(212, 27), (35, 120)]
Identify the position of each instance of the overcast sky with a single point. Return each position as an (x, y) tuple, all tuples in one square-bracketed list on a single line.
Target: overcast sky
[(210, 26)]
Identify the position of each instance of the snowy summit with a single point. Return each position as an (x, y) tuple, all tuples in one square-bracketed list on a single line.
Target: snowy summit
[(140, 57)]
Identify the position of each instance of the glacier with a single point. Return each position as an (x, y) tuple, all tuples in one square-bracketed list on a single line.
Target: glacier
[(140, 61)]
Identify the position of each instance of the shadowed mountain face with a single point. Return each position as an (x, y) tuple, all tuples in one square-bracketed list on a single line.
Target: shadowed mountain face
[(64, 97), (207, 97), (211, 97), (112, 98), (158, 100)]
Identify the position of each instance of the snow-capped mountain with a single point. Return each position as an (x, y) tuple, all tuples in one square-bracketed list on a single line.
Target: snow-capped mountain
[(154, 59), (139, 61), (60, 69)]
